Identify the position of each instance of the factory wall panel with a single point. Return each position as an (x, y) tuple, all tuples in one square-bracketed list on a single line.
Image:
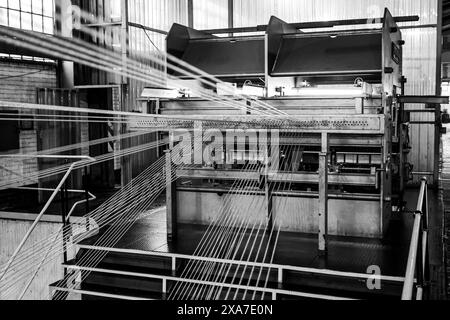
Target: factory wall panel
[(108, 38), (19, 80), (146, 48), (210, 14), (145, 45), (420, 69), (251, 12), (346, 218), (157, 14), (419, 52), (206, 208), (11, 233)]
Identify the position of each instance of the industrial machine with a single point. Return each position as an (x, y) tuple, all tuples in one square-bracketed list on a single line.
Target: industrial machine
[(342, 147), (303, 133)]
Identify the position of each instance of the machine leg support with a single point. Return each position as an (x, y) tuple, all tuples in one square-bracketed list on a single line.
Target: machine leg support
[(170, 200), (323, 195)]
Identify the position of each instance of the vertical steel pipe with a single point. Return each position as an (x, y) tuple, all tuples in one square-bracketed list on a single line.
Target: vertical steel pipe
[(408, 286)]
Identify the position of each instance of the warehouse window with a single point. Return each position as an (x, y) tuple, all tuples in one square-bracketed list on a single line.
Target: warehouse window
[(35, 15)]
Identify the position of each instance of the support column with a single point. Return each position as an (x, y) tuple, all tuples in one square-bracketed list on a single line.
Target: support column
[(190, 13), (126, 168), (266, 65), (125, 164), (171, 213), (230, 15), (64, 212), (124, 33), (64, 27), (323, 194)]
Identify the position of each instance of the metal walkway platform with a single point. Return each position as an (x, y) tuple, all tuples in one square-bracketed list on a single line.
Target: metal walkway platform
[(144, 260), (345, 254)]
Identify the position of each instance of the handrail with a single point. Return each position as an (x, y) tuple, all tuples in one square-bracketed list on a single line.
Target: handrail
[(279, 267), (30, 281), (417, 257), (165, 278), (44, 209)]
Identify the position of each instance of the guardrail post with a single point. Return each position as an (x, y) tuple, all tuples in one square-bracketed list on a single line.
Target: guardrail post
[(86, 195), (164, 286), (417, 258), (265, 184), (425, 206), (171, 214), (419, 294), (280, 275), (424, 244), (174, 264), (63, 197)]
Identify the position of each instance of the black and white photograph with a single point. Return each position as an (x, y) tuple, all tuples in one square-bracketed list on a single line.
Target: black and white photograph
[(220, 158)]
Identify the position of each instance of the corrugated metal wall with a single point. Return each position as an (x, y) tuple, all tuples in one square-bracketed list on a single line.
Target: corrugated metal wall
[(420, 69), (108, 37), (210, 14), (251, 12), (144, 44), (11, 233), (158, 14), (419, 51)]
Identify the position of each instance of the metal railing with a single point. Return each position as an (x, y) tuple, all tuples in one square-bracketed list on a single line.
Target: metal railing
[(278, 269), (59, 188), (417, 270), (89, 197), (272, 292), (175, 257)]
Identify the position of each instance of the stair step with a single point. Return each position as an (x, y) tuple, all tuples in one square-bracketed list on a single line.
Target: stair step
[(129, 259), (100, 291), (125, 268)]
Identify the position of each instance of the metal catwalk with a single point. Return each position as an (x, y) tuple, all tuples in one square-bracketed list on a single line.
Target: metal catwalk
[(140, 248)]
